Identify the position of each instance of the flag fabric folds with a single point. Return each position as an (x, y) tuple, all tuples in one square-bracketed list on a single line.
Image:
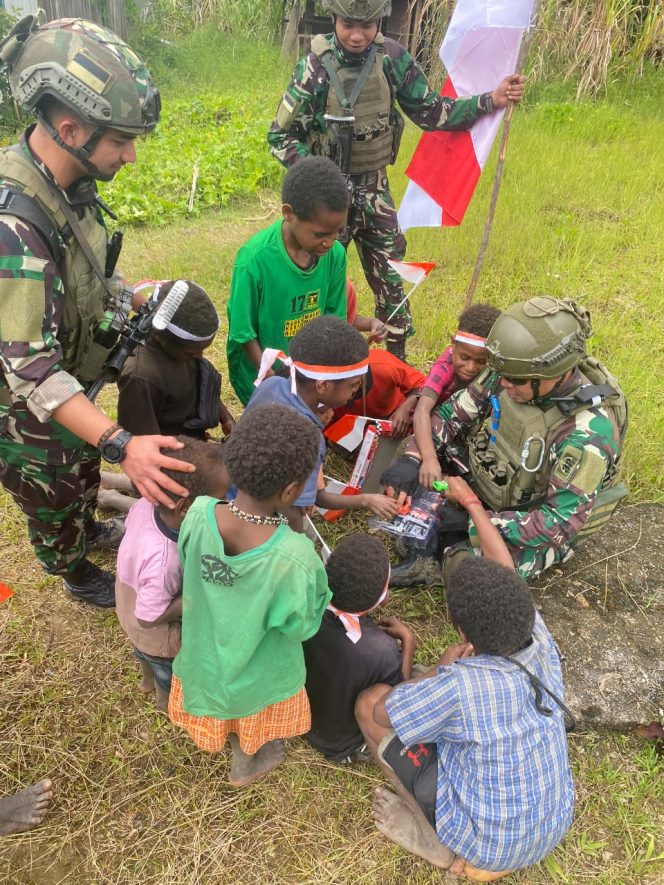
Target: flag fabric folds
[(480, 48), (412, 271)]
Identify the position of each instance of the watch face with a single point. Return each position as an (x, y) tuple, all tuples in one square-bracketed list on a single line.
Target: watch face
[(113, 453)]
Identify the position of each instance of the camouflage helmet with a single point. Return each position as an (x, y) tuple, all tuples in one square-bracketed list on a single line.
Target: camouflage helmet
[(86, 67), (540, 338), (359, 10)]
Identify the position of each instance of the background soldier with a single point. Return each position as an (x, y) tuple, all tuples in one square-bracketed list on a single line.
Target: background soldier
[(358, 74), (544, 427), (92, 96)]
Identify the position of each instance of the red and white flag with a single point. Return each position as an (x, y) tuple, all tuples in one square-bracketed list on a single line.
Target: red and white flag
[(412, 271), (347, 432), (480, 48)]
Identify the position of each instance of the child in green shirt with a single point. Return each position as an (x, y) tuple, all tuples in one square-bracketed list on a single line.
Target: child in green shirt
[(253, 591), (289, 273)]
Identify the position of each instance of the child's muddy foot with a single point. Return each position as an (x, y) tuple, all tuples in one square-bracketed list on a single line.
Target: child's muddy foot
[(162, 696), (146, 684), (396, 821), (26, 809), (245, 769)]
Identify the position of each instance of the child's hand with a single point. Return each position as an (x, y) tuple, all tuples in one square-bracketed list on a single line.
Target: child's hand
[(395, 628), (430, 472), (228, 425), (455, 652), (381, 505), (377, 331), (400, 419), (325, 414), (457, 488)]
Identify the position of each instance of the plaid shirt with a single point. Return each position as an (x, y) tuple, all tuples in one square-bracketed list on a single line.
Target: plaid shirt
[(505, 793)]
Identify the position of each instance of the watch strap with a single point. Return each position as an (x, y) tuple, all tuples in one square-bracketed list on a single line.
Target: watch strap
[(107, 433)]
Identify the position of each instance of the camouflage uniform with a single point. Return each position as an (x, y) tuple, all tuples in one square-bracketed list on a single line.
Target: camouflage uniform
[(539, 537), (372, 219), (52, 475)]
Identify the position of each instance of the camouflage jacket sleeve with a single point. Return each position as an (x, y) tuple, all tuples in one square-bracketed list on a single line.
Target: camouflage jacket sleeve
[(426, 108), (465, 411), (578, 458), (300, 111), (31, 302)]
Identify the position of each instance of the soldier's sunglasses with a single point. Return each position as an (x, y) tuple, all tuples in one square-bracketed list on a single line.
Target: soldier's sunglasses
[(517, 382)]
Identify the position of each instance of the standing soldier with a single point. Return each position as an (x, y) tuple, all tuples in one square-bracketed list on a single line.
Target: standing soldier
[(341, 103), (92, 96)]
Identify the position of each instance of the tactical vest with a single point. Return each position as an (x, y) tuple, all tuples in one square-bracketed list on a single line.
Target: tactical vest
[(510, 464), (84, 294), (378, 125)]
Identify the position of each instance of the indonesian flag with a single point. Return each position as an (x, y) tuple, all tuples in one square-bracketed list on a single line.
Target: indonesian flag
[(5, 592), (412, 271), (480, 48), (348, 431)]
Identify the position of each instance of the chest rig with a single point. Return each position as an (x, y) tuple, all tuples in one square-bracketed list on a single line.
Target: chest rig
[(377, 125), (84, 294), (509, 456)]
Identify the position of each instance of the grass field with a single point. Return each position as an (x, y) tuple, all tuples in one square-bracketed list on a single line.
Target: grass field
[(581, 214)]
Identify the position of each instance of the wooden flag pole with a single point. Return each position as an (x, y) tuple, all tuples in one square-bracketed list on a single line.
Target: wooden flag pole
[(498, 176)]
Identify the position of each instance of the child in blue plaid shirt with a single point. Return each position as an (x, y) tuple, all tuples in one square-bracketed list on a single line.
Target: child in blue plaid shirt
[(476, 747)]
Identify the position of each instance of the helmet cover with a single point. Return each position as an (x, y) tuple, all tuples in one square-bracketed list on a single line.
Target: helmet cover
[(86, 67), (543, 337), (359, 10)]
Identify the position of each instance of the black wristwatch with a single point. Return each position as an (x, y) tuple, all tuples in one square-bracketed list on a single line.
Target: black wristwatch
[(113, 451)]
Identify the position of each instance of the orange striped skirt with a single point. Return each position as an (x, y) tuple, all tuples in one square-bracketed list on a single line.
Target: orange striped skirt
[(284, 719)]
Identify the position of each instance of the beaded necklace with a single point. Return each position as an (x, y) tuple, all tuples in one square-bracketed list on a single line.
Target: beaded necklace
[(254, 518)]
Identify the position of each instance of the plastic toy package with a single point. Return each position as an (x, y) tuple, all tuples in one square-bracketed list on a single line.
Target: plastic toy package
[(419, 520)]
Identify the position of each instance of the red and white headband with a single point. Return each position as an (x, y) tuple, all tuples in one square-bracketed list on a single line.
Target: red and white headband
[(351, 620), (171, 327), (469, 338), (317, 373)]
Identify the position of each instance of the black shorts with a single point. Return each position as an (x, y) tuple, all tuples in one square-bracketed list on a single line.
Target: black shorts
[(417, 769)]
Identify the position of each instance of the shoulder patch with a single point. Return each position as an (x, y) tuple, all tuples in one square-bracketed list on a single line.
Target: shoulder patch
[(287, 112), (581, 468)]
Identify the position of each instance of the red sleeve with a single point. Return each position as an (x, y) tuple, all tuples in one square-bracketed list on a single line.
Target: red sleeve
[(441, 375), (351, 303)]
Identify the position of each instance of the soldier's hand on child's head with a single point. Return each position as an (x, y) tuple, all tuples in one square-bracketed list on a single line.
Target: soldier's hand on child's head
[(509, 89), (394, 627), (457, 488), (143, 462), (382, 506), (455, 653), (430, 472)]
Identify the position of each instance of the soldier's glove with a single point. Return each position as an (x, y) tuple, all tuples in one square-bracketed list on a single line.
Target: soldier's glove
[(403, 475)]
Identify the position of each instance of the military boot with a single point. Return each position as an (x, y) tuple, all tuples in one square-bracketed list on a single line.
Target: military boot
[(88, 583), (419, 568), (104, 534)]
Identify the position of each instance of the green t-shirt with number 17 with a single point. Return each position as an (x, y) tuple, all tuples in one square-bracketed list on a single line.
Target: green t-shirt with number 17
[(272, 298)]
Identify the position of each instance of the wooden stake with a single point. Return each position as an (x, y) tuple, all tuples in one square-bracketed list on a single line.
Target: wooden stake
[(498, 176)]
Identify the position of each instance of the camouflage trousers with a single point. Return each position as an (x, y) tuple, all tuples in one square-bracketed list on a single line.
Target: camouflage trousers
[(373, 225), (58, 501)]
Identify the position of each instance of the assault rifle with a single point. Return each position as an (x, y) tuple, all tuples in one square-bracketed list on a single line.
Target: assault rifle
[(341, 147), (136, 331)]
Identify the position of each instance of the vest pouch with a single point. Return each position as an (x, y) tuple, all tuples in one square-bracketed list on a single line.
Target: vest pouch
[(92, 363), (605, 504), (371, 154), (398, 125)]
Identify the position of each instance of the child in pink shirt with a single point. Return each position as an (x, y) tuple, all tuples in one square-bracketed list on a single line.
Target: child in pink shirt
[(148, 584)]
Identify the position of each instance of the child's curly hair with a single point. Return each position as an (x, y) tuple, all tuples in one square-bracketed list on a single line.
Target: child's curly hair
[(357, 572), (492, 605), (478, 319), (328, 341), (210, 476), (312, 184), (196, 315), (271, 447)]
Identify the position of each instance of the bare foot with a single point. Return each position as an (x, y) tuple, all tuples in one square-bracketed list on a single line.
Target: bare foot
[(146, 684), (110, 499), (26, 809), (161, 701), (396, 821), (245, 769)]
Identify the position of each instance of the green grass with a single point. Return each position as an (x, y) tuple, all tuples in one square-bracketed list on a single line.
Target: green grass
[(581, 213)]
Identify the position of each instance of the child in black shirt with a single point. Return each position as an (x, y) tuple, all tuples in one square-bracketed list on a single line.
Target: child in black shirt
[(351, 651)]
